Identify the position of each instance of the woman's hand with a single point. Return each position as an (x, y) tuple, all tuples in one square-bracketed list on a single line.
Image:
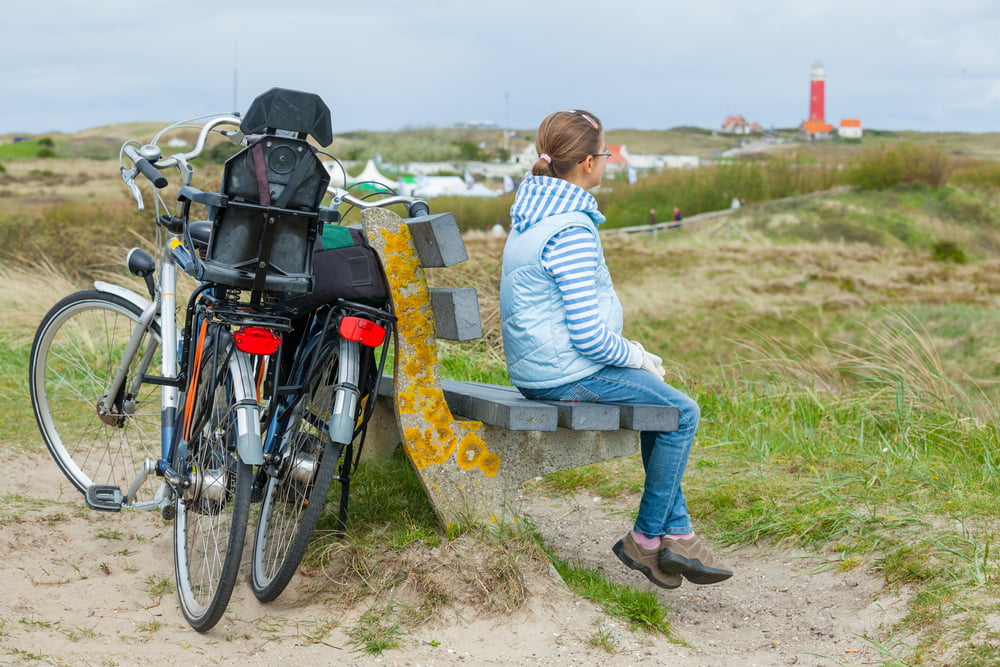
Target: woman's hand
[(650, 362)]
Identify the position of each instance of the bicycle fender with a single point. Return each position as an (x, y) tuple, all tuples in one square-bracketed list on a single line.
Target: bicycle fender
[(344, 415), (127, 294), (249, 444)]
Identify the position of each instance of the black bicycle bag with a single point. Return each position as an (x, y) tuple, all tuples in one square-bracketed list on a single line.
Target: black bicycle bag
[(344, 267)]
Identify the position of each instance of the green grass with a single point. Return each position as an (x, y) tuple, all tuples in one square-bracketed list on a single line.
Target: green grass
[(29, 148), (17, 423), (378, 630), (641, 610)]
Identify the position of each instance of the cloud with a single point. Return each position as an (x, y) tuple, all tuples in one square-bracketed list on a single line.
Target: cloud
[(386, 64)]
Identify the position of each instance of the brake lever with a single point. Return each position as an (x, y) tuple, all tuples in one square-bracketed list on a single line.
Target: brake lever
[(128, 176)]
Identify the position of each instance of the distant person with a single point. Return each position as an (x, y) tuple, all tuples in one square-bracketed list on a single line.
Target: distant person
[(562, 333), (735, 204), (677, 214)]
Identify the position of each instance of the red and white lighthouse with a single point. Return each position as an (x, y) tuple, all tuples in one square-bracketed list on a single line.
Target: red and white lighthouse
[(816, 123), (817, 83)]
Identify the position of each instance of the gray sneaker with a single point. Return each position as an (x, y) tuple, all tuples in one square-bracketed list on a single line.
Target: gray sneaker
[(644, 560), (692, 559)]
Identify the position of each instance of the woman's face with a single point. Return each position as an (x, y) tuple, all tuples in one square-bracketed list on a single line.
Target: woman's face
[(598, 161)]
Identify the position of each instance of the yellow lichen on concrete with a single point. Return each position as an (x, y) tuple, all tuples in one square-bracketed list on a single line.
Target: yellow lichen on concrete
[(431, 434)]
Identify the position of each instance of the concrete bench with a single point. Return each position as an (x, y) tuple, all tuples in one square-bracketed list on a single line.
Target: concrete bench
[(473, 444)]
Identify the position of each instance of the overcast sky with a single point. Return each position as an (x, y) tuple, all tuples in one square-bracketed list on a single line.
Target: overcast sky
[(389, 64)]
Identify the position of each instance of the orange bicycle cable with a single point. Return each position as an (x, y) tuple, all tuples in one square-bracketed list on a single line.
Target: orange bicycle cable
[(193, 384), (261, 374)]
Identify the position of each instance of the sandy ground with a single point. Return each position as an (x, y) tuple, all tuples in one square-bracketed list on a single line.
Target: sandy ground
[(85, 588)]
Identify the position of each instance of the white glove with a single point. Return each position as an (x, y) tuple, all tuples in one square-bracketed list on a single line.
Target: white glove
[(650, 362)]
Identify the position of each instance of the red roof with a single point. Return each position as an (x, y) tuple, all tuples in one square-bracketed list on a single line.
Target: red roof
[(813, 126), (616, 155)]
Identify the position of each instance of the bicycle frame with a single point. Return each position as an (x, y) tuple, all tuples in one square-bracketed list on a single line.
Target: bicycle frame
[(173, 380)]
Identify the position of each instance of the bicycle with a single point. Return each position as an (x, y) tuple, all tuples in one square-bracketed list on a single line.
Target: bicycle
[(94, 399), (92, 385), (321, 410)]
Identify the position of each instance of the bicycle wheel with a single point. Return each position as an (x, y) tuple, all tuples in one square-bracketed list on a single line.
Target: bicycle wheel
[(212, 511), (94, 438), (297, 483)]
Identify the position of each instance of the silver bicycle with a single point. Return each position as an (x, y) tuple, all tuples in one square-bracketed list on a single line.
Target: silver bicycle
[(126, 390)]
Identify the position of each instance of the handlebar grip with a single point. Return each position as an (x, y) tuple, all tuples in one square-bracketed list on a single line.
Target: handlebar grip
[(418, 208), (152, 173), (146, 168)]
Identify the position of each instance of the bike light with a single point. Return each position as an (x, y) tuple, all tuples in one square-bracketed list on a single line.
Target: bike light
[(257, 340), (362, 331)]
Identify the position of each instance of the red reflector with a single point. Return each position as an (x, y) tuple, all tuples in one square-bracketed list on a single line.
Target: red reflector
[(257, 340), (362, 331)]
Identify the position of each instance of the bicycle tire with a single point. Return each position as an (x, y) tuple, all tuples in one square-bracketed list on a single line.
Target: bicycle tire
[(295, 497), (212, 513), (74, 355)]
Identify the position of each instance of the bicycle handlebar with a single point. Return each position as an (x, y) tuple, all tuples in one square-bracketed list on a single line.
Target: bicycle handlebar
[(414, 207), (147, 159), (199, 145)]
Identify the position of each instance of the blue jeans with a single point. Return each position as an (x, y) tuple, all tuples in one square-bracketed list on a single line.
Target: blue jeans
[(662, 509)]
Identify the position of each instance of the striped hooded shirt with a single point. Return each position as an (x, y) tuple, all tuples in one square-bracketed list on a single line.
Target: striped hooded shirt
[(571, 258)]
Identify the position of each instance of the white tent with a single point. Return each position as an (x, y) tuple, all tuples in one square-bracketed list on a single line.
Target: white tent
[(450, 186), (371, 174)]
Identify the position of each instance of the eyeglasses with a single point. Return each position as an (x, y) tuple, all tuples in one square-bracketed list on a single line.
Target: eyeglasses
[(606, 153)]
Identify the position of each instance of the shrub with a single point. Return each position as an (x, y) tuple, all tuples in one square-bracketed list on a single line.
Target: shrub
[(948, 251), (976, 174), (712, 188), (885, 166)]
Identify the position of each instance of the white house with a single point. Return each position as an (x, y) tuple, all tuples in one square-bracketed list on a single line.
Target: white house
[(850, 128)]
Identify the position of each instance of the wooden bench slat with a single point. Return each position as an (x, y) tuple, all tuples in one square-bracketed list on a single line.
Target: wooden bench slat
[(437, 240), (587, 416), (485, 404), (649, 417), (456, 313), (500, 405)]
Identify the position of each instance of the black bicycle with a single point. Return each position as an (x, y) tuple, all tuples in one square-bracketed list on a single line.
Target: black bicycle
[(322, 401)]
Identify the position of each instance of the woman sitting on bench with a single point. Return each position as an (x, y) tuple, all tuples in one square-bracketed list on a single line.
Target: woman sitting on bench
[(562, 325)]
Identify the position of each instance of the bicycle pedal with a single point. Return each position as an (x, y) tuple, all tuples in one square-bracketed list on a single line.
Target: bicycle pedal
[(104, 498)]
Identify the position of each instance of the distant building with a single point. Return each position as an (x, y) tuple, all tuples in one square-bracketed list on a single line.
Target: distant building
[(647, 162), (740, 125), (476, 124), (850, 128)]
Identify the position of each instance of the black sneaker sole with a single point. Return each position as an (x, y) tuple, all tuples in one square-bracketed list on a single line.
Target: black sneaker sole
[(619, 550), (691, 569)]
